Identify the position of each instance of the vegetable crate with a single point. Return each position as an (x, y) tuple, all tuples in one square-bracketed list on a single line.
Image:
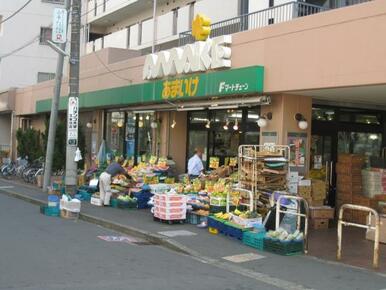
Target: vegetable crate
[(254, 239), (285, 248), (195, 219), (127, 204), (234, 231), (114, 203)]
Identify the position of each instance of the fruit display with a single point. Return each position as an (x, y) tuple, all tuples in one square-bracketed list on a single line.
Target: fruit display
[(223, 216)]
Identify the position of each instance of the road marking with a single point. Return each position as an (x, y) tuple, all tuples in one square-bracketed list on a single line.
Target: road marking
[(6, 187), (123, 239), (260, 277), (181, 233), (244, 258)]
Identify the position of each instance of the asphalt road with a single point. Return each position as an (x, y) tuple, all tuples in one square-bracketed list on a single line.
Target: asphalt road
[(39, 252)]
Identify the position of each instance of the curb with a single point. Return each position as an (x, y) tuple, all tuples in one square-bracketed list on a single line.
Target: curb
[(150, 237)]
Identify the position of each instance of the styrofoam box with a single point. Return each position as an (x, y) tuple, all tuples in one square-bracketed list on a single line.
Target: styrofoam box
[(96, 201), (170, 197), (169, 210), (158, 202), (70, 205), (168, 217)]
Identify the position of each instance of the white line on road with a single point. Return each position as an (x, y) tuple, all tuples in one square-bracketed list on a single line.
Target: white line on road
[(6, 187), (243, 258)]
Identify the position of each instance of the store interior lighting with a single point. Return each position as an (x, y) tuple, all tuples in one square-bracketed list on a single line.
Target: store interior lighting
[(147, 117), (173, 125), (226, 126), (262, 122), (184, 109), (207, 124), (302, 122), (236, 125)]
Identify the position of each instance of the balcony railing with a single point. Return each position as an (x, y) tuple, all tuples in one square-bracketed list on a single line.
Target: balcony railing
[(272, 15)]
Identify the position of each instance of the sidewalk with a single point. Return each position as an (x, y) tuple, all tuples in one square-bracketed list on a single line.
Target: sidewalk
[(297, 272)]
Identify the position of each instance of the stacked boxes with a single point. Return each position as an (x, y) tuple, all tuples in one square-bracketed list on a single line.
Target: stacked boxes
[(349, 180), (320, 217), (314, 191), (170, 207)]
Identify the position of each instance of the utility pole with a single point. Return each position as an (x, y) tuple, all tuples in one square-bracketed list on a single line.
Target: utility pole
[(54, 111), (73, 108)]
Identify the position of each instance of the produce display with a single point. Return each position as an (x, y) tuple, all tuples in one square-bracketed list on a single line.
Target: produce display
[(283, 235)]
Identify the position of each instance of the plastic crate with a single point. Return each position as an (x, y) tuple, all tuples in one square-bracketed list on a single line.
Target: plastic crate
[(285, 248), (127, 204), (49, 210), (234, 231), (114, 203), (216, 223), (195, 219), (254, 239), (143, 198), (169, 217)]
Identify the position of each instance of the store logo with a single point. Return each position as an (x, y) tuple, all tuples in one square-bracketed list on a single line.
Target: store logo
[(201, 27), (200, 56)]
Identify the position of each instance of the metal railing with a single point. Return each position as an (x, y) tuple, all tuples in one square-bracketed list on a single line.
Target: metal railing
[(342, 223), (262, 18)]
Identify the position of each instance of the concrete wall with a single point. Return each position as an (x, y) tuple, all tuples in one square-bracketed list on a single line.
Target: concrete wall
[(21, 69)]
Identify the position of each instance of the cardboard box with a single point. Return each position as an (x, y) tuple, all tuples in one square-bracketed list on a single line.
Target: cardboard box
[(319, 190), (349, 170), (39, 181), (370, 235), (322, 212), (342, 179), (351, 158), (319, 224), (305, 191)]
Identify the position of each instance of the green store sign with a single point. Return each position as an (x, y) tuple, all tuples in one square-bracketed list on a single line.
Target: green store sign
[(241, 81)]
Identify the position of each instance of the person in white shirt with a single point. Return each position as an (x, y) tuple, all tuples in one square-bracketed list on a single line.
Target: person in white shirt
[(195, 165)]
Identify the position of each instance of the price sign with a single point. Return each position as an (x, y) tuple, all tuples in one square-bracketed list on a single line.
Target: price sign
[(214, 162), (72, 121), (59, 25)]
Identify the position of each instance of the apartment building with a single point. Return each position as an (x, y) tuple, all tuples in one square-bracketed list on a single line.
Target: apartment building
[(130, 24), (25, 57)]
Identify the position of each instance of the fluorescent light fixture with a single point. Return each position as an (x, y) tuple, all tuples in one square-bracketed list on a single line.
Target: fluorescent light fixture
[(217, 107), (190, 109), (144, 112)]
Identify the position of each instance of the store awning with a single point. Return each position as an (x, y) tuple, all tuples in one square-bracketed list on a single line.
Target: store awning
[(234, 83)]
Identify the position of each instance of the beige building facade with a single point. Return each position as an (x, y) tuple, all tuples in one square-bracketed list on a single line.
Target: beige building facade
[(330, 59)]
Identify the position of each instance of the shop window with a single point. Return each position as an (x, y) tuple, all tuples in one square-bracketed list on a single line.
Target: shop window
[(323, 114), (145, 135), (175, 20), (115, 132), (368, 144), (360, 117), (221, 132)]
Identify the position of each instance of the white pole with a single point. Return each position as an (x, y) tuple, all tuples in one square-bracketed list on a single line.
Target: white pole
[(154, 25)]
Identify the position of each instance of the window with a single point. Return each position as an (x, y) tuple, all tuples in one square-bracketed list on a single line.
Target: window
[(271, 3), (54, 1), (243, 7), (175, 21), (43, 76), (45, 35), (25, 123), (1, 25), (191, 13), (139, 33), (271, 21)]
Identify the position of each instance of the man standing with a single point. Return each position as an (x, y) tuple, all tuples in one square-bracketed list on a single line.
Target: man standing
[(195, 165), (105, 178)]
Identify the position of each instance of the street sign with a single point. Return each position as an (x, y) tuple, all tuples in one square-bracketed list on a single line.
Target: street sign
[(72, 123), (59, 25)]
